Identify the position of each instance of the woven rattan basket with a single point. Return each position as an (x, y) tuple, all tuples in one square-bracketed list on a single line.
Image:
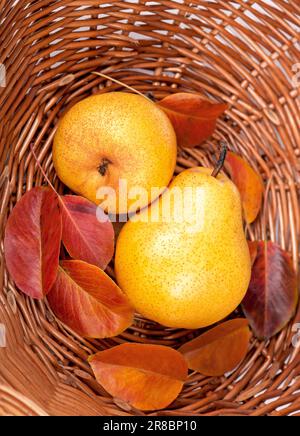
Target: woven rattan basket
[(241, 52)]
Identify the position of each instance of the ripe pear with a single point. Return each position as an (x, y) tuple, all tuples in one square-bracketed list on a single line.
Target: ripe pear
[(111, 138), (190, 268)]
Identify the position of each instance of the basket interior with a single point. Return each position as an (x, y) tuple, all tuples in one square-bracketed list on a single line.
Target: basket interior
[(241, 53)]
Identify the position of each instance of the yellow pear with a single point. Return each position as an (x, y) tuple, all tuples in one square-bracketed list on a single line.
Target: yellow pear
[(113, 137), (190, 268)]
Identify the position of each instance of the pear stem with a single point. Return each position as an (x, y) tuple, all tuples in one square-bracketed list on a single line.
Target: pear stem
[(221, 160)]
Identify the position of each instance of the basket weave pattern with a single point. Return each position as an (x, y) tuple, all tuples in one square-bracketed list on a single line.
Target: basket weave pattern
[(243, 53)]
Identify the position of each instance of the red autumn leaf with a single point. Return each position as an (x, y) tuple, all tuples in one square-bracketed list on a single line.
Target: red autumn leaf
[(272, 295), (87, 300), (149, 377), (249, 184), (218, 350), (87, 232), (193, 117), (253, 249), (32, 241)]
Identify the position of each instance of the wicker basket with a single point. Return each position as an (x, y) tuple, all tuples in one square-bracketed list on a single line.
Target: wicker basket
[(244, 53)]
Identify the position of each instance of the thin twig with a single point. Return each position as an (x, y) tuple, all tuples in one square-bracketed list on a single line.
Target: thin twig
[(122, 84)]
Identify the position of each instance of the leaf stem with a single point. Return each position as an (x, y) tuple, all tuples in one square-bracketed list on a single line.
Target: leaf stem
[(122, 84), (42, 170)]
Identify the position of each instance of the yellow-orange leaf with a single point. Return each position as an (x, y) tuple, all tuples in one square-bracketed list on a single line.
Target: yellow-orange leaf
[(192, 116), (249, 184), (220, 349), (149, 377)]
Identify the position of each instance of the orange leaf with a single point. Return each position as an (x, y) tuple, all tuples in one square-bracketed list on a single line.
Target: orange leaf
[(193, 117), (87, 300), (248, 182), (220, 349), (149, 377)]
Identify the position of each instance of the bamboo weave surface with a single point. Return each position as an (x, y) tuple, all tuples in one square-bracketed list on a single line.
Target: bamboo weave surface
[(241, 52)]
